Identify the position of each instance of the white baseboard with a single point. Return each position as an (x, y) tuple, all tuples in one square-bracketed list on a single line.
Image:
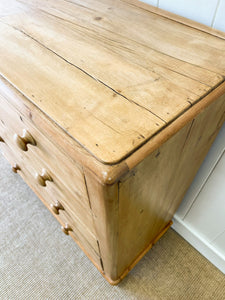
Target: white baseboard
[(205, 248)]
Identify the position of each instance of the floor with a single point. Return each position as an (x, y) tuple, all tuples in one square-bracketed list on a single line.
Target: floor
[(37, 261)]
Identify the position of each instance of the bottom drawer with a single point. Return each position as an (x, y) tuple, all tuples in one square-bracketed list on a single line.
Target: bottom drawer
[(69, 225)]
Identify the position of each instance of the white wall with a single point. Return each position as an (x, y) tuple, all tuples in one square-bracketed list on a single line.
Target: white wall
[(208, 12), (200, 218)]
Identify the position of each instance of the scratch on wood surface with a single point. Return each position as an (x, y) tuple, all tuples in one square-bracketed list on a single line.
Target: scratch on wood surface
[(103, 122), (101, 261), (78, 4), (85, 182), (188, 134)]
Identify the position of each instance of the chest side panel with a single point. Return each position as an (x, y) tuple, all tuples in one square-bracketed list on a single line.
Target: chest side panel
[(153, 191)]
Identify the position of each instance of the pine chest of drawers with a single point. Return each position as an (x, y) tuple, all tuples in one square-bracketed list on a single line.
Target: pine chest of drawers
[(108, 109)]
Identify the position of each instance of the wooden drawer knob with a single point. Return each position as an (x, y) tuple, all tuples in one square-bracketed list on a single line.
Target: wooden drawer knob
[(66, 229), (23, 140), (56, 207), (15, 168), (41, 179), (1, 140)]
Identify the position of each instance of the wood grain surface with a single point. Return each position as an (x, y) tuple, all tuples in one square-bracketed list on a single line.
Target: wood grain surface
[(112, 74)]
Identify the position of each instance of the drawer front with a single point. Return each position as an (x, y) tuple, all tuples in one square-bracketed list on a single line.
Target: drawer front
[(67, 176), (50, 197)]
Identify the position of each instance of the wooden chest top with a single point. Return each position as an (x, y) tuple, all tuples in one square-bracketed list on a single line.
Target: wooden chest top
[(111, 74)]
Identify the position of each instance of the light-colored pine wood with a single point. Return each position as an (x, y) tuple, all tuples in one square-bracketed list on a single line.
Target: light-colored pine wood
[(24, 140), (107, 110), (148, 78), (43, 177), (56, 207), (140, 256), (15, 168), (105, 204)]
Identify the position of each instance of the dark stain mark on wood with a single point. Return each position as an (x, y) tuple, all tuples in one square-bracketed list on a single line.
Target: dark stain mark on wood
[(188, 100), (98, 18), (101, 262), (199, 139), (158, 153)]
